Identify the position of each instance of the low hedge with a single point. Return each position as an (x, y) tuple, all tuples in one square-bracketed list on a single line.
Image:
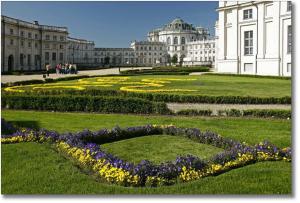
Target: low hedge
[(261, 113), (83, 103), (167, 70), (194, 112), (175, 98)]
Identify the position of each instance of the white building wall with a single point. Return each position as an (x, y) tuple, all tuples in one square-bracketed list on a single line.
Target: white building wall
[(269, 24)]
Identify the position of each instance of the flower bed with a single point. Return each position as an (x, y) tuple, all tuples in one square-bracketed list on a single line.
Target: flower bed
[(84, 148)]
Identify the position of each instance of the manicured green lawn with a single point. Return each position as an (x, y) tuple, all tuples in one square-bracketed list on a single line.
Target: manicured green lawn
[(158, 148), (250, 130), (202, 85), (31, 168)]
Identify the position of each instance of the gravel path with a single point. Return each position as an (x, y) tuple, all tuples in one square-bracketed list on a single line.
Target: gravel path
[(215, 107), (15, 78)]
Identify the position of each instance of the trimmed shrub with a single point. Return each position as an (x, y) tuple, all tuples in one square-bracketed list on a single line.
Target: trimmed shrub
[(167, 70), (83, 103), (177, 98), (194, 112), (275, 113)]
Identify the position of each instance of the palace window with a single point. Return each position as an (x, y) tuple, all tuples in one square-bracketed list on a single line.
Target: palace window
[(29, 44), (289, 48), (22, 59), (248, 42), (11, 42), (182, 40), (29, 59), (61, 46), (11, 31), (22, 33), (247, 14), (46, 56), (47, 37), (175, 41), (289, 6), (149, 48), (175, 48), (22, 43), (62, 38), (168, 40), (36, 36), (35, 45), (160, 48), (54, 38), (61, 56), (54, 46), (29, 35), (53, 56), (182, 48)]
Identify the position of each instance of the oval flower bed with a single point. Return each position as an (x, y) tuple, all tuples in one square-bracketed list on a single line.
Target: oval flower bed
[(128, 86), (84, 148)]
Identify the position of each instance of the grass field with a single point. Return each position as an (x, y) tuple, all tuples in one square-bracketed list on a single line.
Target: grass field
[(193, 85), (158, 148), (31, 168)]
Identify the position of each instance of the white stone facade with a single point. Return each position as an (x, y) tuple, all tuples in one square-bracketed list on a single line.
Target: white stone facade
[(29, 46), (200, 52), (114, 56), (149, 53), (176, 35), (255, 37), (80, 51)]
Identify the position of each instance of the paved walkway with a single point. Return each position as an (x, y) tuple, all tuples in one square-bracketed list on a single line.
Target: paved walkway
[(108, 71), (215, 107)]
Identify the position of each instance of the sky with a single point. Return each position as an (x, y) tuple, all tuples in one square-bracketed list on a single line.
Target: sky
[(112, 24)]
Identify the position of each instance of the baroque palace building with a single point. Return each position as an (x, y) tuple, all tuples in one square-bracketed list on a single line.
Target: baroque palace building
[(80, 51), (255, 37), (29, 46), (176, 35)]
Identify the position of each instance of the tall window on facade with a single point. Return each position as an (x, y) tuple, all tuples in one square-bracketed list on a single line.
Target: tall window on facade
[(248, 42), (22, 59), (289, 6), (46, 56), (168, 40), (22, 43), (247, 14), (182, 40), (11, 42), (47, 37), (175, 41), (182, 48), (289, 39), (61, 56), (29, 59), (29, 35), (53, 56), (11, 31)]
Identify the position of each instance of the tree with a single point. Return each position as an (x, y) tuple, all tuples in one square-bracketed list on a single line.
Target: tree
[(168, 58), (181, 59), (174, 59)]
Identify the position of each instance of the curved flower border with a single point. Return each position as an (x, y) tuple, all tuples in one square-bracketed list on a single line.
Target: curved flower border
[(84, 148)]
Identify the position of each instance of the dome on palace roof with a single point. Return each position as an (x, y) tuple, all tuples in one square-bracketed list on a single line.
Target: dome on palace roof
[(178, 24)]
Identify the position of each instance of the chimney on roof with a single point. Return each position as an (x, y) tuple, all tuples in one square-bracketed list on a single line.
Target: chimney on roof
[(36, 22)]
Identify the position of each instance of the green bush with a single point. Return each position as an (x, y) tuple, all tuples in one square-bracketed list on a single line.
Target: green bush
[(178, 98), (275, 113), (83, 103), (194, 112), (166, 70)]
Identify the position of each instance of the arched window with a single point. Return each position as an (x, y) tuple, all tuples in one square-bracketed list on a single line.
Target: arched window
[(168, 40), (175, 41), (182, 40)]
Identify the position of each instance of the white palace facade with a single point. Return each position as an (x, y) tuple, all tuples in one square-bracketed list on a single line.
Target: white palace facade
[(29, 46), (255, 37)]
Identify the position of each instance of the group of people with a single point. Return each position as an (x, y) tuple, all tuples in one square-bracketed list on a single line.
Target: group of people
[(66, 68)]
